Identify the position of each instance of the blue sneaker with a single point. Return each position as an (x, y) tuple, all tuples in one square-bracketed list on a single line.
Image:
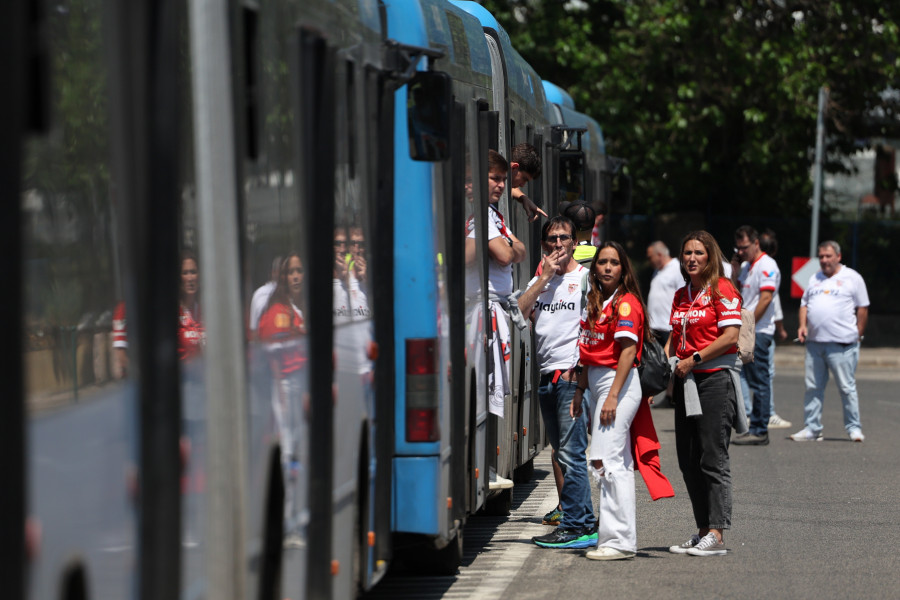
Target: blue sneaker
[(553, 517), (567, 538)]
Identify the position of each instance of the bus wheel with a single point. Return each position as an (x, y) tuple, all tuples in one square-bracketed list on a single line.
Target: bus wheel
[(433, 561), (524, 472), (500, 504)]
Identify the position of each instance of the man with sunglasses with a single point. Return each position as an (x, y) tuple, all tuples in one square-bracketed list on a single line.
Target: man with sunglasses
[(553, 302), (758, 279)]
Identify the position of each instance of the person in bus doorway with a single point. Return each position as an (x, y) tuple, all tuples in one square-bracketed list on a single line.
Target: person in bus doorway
[(524, 167), (610, 343), (552, 301), (503, 250), (705, 320)]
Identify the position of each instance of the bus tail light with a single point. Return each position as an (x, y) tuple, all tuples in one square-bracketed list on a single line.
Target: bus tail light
[(422, 424)]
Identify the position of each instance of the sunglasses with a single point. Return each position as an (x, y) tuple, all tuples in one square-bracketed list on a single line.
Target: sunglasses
[(565, 237)]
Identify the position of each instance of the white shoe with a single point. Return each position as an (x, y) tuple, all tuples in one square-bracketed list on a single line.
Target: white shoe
[(776, 422), (684, 547), (709, 546), (807, 435), (857, 436), (496, 482), (607, 553)]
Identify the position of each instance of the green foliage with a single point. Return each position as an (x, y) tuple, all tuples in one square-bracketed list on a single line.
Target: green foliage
[(714, 102)]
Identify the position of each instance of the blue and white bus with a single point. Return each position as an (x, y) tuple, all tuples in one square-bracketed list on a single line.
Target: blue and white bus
[(236, 277)]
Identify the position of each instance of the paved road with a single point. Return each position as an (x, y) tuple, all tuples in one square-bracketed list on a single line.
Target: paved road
[(813, 520)]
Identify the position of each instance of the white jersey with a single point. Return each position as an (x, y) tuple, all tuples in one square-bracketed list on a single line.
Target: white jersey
[(665, 283), (499, 277), (557, 320), (761, 276), (258, 303), (831, 304)]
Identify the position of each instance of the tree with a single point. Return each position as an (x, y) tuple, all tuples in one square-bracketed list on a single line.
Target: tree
[(714, 103)]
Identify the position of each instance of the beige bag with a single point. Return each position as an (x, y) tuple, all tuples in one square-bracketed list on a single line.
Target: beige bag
[(747, 336)]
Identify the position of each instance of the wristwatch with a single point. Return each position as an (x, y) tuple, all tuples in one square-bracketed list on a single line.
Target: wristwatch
[(697, 358)]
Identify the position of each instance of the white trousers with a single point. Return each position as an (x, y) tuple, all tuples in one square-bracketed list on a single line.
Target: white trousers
[(612, 445)]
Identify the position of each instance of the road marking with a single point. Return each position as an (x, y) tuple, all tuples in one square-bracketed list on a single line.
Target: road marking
[(495, 548)]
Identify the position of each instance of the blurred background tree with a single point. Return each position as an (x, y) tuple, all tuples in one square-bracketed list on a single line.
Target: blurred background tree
[(714, 102)]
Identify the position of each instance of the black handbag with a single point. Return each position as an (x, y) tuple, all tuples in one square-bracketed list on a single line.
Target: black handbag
[(654, 369)]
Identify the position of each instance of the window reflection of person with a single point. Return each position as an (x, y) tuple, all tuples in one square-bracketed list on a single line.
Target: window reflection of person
[(357, 248), (281, 330), (191, 335), (191, 340)]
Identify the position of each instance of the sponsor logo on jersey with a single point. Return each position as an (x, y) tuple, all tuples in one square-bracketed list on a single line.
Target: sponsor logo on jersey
[(625, 323), (696, 313), (552, 307), (730, 304), (624, 309), (282, 321), (768, 273)]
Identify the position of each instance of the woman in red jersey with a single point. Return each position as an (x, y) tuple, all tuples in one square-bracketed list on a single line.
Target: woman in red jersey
[(706, 320), (612, 332), (282, 332), (191, 335)]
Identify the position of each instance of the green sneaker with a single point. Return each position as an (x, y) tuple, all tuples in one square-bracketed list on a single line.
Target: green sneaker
[(567, 538), (553, 517)]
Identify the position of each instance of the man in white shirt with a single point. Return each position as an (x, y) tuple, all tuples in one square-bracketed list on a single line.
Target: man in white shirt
[(667, 279), (759, 279), (553, 301), (834, 311)]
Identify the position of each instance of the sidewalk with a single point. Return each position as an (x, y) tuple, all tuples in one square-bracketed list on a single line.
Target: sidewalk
[(792, 356)]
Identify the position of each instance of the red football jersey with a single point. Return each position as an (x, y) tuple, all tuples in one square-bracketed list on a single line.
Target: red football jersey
[(698, 318), (597, 343), (280, 327)]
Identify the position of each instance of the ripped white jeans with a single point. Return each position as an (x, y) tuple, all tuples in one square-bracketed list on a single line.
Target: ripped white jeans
[(612, 445)]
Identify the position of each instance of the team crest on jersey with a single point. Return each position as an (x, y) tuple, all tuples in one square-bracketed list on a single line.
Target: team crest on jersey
[(625, 309), (730, 304), (839, 283), (573, 287), (704, 300)]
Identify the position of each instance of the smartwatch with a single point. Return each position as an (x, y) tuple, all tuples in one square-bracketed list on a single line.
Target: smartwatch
[(697, 358)]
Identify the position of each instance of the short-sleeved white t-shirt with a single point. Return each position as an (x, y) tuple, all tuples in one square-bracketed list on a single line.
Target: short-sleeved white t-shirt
[(557, 319), (665, 283), (831, 304), (763, 275), (499, 278)]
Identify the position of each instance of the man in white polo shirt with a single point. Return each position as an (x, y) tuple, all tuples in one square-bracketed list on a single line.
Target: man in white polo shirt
[(833, 315), (759, 279)]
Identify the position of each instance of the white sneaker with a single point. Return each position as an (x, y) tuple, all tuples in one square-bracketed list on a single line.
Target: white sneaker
[(607, 553), (709, 546), (857, 436), (807, 435), (776, 422), (497, 482), (683, 548)]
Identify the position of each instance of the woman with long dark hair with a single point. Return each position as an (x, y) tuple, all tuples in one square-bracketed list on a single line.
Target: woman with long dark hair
[(610, 343), (706, 321)]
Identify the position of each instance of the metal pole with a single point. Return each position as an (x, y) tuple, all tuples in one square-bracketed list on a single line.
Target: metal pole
[(226, 566), (817, 172)]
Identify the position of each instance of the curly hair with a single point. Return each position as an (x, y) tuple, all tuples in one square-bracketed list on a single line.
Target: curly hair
[(627, 283)]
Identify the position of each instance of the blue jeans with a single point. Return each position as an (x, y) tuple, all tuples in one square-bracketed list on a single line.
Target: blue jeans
[(568, 437), (840, 359), (758, 379)]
